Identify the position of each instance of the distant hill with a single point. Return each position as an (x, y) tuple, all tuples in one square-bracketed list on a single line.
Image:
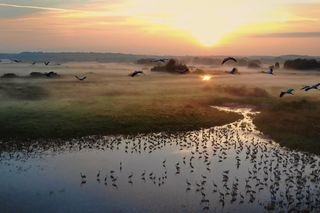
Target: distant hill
[(122, 57)]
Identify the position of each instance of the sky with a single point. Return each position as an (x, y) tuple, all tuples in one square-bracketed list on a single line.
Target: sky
[(162, 27)]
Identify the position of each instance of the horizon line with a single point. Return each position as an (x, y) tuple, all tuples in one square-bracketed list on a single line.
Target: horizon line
[(146, 54)]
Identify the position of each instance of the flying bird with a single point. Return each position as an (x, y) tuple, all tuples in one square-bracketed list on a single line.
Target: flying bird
[(135, 73), (228, 59), (315, 86), (270, 71), (305, 87), (161, 60), (46, 63), (234, 71), (289, 91), (17, 61), (33, 63), (81, 78)]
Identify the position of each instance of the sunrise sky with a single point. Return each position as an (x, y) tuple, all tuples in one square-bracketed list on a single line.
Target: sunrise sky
[(175, 27)]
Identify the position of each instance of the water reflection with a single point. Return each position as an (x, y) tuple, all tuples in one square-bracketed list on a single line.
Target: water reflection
[(230, 168)]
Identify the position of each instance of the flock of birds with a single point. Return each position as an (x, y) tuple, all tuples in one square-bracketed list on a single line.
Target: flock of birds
[(306, 88), (271, 72), (234, 70), (222, 168), (46, 63)]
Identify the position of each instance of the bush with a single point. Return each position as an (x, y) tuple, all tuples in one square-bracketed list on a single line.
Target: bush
[(44, 75), (9, 75), (173, 67), (254, 64), (302, 64), (37, 75)]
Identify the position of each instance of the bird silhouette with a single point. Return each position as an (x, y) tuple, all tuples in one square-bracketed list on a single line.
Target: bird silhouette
[(136, 73), (81, 78), (161, 60), (304, 87), (315, 86), (228, 59), (270, 71), (289, 91), (83, 176), (234, 71)]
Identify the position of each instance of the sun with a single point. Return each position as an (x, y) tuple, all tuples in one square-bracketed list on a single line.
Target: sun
[(207, 42), (207, 38), (206, 77)]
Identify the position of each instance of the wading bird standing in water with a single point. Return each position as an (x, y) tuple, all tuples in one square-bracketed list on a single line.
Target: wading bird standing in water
[(81, 78), (289, 91), (136, 73)]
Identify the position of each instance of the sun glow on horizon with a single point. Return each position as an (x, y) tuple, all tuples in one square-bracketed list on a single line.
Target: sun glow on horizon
[(159, 27), (206, 77)]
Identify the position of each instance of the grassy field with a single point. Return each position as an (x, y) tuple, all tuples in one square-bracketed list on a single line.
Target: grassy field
[(110, 102), (294, 124)]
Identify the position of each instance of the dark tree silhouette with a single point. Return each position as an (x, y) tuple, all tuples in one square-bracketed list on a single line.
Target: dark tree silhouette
[(302, 64)]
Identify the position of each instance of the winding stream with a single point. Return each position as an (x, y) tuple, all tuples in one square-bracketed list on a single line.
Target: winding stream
[(230, 168)]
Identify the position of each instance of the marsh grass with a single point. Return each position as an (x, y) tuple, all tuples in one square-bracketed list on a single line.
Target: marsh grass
[(109, 102), (22, 91), (243, 91), (294, 124), (69, 120)]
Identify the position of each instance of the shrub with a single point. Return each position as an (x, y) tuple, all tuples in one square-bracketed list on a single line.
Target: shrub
[(302, 64), (172, 66), (9, 75)]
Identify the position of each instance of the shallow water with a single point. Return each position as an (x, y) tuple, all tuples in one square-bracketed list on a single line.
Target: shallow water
[(232, 168)]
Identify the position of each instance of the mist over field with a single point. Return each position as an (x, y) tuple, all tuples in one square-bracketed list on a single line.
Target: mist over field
[(109, 99), (159, 106)]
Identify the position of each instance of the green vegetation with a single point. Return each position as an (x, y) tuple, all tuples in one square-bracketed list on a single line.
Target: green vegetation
[(172, 67), (28, 123), (294, 124), (302, 64), (9, 75), (112, 103), (34, 112)]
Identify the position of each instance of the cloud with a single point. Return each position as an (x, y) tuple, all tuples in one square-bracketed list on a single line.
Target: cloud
[(290, 35), (37, 7)]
